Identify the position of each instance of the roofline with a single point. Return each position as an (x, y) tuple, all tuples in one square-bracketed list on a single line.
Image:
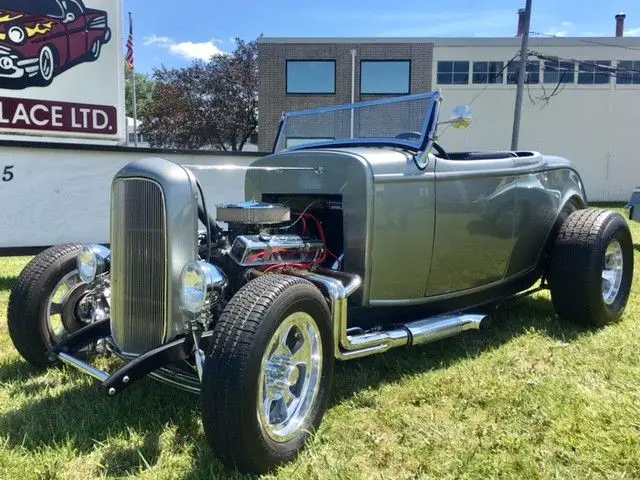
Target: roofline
[(462, 41)]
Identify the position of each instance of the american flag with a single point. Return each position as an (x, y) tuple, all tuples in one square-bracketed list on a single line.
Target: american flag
[(129, 58)]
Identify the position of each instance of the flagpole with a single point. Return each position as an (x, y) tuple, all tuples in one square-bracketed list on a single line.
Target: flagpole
[(135, 99)]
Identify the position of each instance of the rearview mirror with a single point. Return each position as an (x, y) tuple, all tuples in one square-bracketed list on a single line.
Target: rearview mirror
[(460, 117), (70, 17)]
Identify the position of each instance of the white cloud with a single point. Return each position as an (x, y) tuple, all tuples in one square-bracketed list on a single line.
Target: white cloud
[(632, 32), (156, 40), (188, 50), (195, 50), (566, 24)]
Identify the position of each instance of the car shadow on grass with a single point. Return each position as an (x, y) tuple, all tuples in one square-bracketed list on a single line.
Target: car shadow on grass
[(132, 429), (511, 320)]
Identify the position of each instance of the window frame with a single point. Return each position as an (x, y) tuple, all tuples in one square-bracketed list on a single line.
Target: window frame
[(516, 66), (382, 60), (634, 75), (593, 72), (309, 60), (453, 72), (499, 76), (557, 71)]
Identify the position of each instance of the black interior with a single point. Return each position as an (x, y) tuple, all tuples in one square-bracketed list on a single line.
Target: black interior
[(481, 155)]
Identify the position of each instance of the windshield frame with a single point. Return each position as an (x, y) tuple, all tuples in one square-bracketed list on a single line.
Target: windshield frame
[(426, 134)]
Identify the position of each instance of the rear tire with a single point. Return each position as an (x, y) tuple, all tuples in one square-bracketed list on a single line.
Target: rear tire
[(255, 372), (30, 312), (592, 267)]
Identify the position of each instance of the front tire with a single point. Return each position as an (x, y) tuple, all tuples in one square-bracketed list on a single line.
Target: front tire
[(46, 66), (592, 267), (267, 378), (43, 303), (94, 53)]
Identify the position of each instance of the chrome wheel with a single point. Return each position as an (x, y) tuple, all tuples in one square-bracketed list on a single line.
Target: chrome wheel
[(612, 272), (290, 374), (61, 305)]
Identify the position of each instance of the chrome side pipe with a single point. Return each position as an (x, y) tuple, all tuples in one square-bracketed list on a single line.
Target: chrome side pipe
[(338, 286)]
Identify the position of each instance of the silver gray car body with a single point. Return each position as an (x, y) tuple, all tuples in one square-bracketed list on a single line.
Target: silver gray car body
[(457, 227)]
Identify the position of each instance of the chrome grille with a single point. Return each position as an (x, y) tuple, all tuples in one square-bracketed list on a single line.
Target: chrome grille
[(138, 265)]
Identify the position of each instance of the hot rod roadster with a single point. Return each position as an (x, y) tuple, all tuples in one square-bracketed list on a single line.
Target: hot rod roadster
[(359, 234)]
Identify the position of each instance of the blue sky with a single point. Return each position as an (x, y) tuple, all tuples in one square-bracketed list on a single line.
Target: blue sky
[(174, 32)]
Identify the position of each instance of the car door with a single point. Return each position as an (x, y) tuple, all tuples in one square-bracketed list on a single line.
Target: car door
[(474, 224), (77, 31)]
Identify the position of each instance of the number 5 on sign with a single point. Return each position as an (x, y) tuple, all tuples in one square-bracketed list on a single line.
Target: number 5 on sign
[(7, 173)]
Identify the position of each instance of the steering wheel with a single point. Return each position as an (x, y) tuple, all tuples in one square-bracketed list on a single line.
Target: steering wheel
[(413, 136)]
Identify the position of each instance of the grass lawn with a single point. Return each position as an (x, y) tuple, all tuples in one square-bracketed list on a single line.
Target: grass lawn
[(534, 397)]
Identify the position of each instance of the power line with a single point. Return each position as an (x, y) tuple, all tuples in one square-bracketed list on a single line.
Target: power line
[(583, 40), (598, 68)]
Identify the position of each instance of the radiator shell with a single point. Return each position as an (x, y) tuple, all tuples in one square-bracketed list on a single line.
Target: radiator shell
[(154, 217)]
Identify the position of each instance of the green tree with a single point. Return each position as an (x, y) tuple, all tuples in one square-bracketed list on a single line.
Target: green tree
[(144, 91), (210, 104)]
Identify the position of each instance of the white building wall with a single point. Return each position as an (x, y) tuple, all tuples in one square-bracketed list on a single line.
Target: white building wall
[(595, 126)]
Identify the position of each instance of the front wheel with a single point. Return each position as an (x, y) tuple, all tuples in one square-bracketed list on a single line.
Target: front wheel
[(46, 66), (44, 305), (267, 378), (94, 53), (592, 267)]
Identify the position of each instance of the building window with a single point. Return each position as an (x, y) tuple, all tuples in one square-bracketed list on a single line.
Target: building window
[(594, 72), (311, 76), (487, 72), (628, 72), (383, 77), (453, 73), (297, 141), (532, 72), (556, 71), (132, 138)]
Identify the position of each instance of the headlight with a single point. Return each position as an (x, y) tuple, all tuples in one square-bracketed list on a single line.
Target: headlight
[(6, 63), (199, 282), (17, 35), (93, 261)]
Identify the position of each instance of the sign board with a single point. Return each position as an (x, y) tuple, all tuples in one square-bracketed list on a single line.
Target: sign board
[(61, 70)]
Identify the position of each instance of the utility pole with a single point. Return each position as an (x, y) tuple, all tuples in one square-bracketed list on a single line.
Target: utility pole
[(521, 76)]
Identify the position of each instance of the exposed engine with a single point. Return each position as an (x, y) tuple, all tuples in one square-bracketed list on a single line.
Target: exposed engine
[(268, 237)]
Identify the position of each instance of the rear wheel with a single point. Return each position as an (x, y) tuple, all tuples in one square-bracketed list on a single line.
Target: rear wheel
[(592, 267), (267, 378), (44, 305)]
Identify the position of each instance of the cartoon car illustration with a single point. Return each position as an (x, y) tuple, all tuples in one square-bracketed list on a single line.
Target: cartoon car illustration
[(42, 38)]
